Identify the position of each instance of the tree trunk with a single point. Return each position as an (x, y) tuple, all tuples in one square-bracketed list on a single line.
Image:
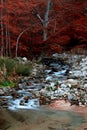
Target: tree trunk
[(17, 42), (8, 46), (46, 21), (2, 31)]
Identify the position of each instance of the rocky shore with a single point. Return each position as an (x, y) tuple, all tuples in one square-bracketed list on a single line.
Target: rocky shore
[(59, 77)]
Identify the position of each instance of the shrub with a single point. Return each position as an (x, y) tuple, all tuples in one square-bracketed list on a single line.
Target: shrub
[(7, 83), (1, 62), (9, 64), (23, 69)]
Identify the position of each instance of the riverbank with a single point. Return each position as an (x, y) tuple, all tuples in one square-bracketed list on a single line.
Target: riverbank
[(63, 105), (64, 117)]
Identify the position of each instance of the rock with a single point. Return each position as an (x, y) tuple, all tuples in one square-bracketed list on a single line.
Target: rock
[(26, 98), (49, 78), (22, 102), (20, 86), (34, 71), (48, 100), (73, 82), (24, 59), (4, 104), (69, 96), (2, 92), (42, 100), (14, 95), (74, 102), (85, 86), (42, 92), (55, 55), (63, 85)]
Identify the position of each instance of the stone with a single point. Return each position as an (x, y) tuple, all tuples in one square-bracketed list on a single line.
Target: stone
[(1, 92), (55, 55), (14, 95), (85, 86), (22, 102), (73, 82), (26, 98), (49, 78), (20, 86), (74, 102), (24, 59)]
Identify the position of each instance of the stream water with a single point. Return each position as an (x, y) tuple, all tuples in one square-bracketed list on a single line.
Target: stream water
[(54, 71)]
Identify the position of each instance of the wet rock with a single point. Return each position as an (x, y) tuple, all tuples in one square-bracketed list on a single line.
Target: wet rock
[(15, 95), (22, 102), (49, 78), (26, 98)]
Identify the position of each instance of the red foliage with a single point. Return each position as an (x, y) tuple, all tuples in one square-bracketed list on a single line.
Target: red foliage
[(67, 20)]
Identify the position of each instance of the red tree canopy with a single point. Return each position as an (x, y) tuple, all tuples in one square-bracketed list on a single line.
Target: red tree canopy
[(66, 27)]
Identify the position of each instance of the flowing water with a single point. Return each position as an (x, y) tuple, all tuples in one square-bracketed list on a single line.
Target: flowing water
[(55, 70)]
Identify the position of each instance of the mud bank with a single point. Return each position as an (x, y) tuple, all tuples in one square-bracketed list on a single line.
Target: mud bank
[(42, 119)]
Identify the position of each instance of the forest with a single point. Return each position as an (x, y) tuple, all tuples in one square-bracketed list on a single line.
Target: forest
[(30, 28), (43, 64)]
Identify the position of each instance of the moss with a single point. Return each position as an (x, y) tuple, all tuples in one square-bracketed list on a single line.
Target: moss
[(7, 83)]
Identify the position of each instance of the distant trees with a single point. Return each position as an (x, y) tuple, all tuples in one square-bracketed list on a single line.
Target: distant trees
[(5, 32), (30, 25), (8, 41)]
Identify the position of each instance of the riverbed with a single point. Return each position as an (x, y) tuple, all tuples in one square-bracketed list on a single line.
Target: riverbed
[(54, 97)]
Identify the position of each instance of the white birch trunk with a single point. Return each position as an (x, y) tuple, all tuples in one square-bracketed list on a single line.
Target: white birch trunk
[(46, 20)]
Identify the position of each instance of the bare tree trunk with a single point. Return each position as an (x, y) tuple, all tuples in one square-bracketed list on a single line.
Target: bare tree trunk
[(19, 36), (17, 42), (55, 26), (9, 41), (2, 31), (7, 38), (8, 46), (46, 21)]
